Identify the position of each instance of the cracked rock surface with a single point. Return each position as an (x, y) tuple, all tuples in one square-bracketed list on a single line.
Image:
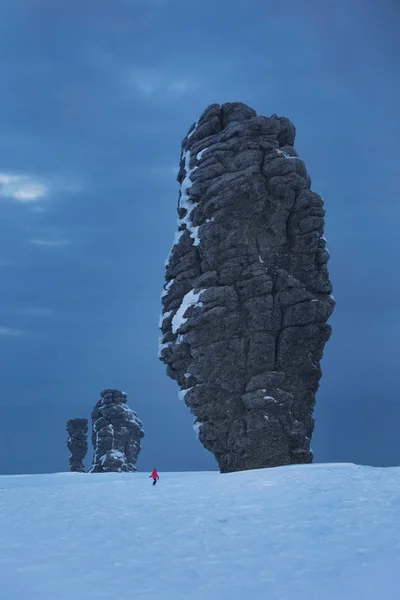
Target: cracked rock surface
[(247, 294), (116, 434), (77, 430)]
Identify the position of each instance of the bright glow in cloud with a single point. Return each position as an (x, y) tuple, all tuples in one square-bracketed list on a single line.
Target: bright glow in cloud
[(22, 187)]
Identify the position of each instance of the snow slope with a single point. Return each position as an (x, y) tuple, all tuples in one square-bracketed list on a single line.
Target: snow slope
[(306, 532)]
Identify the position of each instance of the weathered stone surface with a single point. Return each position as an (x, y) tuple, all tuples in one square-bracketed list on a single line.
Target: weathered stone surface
[(77, 443), (247, 294), (116, 434)]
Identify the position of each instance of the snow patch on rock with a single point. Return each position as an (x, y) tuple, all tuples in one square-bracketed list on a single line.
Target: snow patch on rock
[(190, 299)]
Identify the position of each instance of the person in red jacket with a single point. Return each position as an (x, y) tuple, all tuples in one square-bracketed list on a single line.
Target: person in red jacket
[(155, 476)]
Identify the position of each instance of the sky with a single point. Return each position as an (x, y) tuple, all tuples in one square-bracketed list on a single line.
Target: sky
[(95, 100)]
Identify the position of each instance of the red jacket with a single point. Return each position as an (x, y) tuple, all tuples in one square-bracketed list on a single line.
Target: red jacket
[(154, 474)]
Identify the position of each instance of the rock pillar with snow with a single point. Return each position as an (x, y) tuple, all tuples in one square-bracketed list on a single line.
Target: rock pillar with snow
[(116, 434), (247, 294), (77, 443)]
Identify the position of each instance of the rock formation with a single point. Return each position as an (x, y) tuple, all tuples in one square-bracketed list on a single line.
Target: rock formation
[(247, 294), (116, 434), (77, 443)]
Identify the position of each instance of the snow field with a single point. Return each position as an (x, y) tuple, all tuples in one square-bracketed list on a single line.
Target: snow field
[(312, 532)]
